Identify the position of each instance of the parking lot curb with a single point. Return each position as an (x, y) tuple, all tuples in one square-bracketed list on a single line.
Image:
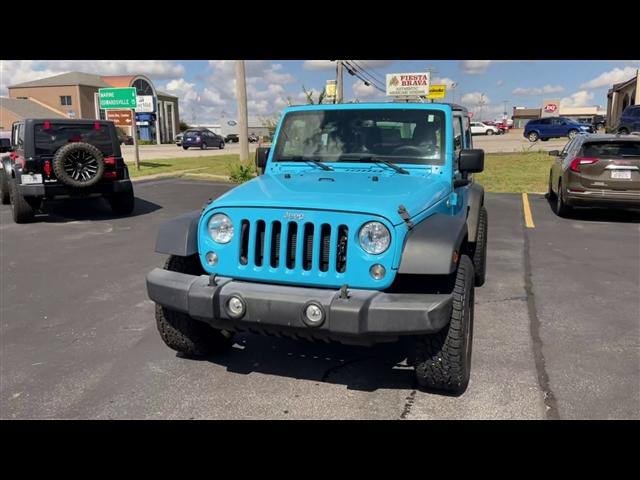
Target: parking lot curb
[(178, 174)]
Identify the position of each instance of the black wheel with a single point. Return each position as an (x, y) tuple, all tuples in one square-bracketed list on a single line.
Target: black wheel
[(122, 203), (78, 165), (442, 360), (623, 131), (4, 188), (480, 249), (533, 136), (562, 209), (178, 330), (572, 134), (550, 194), (186, 148), (22, 210), (544, 139), (203, 146), (221, 146)]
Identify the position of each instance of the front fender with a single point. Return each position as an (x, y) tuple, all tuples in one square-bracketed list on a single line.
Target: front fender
[(430, 245), (179, 236), (476, 200)]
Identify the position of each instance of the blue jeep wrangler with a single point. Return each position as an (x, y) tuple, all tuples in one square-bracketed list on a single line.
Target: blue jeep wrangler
[(364, 226)]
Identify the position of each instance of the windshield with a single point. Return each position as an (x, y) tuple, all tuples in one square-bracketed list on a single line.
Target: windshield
[(398, 135)]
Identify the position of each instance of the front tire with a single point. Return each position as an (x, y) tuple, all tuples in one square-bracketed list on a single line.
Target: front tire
[(203, 146), (572, 134), (185, 148), (623, 131), (21, 210), (221, 146), (480, 249), (442, 360), (122, 203), (533, 136), (178, 330), (489, 132), (4, 188)]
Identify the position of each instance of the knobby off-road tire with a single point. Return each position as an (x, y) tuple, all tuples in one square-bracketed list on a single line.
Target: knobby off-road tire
[(442, 361), (122, 203), (178, 330), (78, 165), (480, 249), (5, 198), (22, 210)]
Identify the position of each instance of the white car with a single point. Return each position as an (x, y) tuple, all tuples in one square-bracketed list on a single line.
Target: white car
[(479, 128)]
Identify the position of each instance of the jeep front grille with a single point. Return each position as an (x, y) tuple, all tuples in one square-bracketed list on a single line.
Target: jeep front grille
[(296, 246)]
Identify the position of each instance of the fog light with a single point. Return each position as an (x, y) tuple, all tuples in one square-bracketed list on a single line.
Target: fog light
[(235, 305), (377, 271), (212, 258), (313, 315)]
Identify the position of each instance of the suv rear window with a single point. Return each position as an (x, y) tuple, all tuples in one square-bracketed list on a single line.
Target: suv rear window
[(47, 142), (611, 149)]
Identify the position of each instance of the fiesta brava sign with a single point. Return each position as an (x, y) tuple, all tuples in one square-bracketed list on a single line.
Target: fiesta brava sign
[(400, 84)]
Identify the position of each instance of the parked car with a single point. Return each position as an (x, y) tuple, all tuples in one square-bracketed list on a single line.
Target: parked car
[(599, 123), (630, 120), (5, 145), (63, 158), (178, 139), (232, 138), (480, 128), (596, 170), (554, 127), (341, 237), (125, 139), (253, 138), (202, 138)]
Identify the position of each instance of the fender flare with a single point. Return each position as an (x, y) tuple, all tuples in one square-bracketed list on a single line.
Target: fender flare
[(430, 245), (7, 167), (179, 236), (476, 200)]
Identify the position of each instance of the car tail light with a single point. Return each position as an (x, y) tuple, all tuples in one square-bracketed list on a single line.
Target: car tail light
[(47, 168), (47, 125), (578, 161), (110, 175), (110, 160), (96, 125)]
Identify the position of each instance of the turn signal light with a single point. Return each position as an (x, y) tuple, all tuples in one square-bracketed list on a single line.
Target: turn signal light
[(110, 175), (47, 168), (576, 162), (109, 160)]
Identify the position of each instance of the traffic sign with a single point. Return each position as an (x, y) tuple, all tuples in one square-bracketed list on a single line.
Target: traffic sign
[(122, 118), (117, 98)]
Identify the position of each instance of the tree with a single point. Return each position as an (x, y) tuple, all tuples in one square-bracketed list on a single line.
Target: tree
[(184, 126), (309, 95), (271, 123)]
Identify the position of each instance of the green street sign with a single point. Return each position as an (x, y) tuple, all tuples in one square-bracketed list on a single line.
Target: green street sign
[(117, 98)]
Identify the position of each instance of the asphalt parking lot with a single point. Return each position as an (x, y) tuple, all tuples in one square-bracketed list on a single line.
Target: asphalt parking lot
[(557, 329)]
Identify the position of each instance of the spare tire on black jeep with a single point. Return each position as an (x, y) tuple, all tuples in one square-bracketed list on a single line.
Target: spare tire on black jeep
[(78, 165)]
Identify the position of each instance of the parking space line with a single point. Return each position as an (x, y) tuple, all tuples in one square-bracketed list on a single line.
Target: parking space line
[(528, 217)]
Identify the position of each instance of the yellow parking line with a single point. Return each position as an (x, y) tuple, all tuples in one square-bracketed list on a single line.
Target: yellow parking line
[(528, 218)]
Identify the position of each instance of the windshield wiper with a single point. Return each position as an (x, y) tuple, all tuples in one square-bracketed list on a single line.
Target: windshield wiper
[(370, 158), (306, 159)]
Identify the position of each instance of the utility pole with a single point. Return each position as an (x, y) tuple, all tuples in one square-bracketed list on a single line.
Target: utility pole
[(241, 92), (339, 81), (480, 105), (431, 71), (504, 111)]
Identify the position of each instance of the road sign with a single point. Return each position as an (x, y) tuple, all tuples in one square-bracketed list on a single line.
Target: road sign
[(122, 118), (437, 91), (330, 89), (117, 98), (145, 104), (400, 84)]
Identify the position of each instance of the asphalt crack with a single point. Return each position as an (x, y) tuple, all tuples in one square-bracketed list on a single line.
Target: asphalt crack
[(551, 405), (408, 405)]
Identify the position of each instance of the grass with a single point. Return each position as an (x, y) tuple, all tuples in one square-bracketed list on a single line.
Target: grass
[(214, 165), (503, 172), (515, 172)]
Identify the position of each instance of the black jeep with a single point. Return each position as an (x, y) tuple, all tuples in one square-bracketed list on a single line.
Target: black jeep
[(60, 158)]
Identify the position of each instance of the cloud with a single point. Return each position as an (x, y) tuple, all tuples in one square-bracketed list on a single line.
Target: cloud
[(607, 79), (578, 99), (547, 89), (443, 81), (473, 99), (319, 64), (474, 67), (499, 83)]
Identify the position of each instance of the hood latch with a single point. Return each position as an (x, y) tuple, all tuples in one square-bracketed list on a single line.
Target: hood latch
[(402, 211)]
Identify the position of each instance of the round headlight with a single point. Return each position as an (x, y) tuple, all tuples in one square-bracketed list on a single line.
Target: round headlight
[(220, 228), (374, 237)]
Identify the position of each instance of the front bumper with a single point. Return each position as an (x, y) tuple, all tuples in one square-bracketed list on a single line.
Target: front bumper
[(57, 190), (364, 317)]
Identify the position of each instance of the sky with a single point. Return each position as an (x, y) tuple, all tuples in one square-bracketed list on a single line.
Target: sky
[(206, 88)]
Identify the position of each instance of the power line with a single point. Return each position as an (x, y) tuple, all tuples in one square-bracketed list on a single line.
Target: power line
[(353, 70), (372, 73)]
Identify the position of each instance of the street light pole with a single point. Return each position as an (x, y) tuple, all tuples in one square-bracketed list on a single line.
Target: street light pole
[(241, 92)]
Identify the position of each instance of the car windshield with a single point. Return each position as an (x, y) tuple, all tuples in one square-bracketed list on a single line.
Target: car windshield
[(397, 135)]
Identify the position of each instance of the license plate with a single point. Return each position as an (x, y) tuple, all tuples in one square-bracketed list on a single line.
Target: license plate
[(26, 179), (621, 174)]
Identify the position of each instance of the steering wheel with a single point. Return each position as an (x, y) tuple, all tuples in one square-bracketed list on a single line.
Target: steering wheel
[(413, 151)]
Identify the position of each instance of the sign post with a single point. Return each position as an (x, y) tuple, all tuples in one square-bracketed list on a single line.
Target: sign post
[(118, 99)]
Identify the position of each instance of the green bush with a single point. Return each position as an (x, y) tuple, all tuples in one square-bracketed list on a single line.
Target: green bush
[(241, 172), (146, 142)]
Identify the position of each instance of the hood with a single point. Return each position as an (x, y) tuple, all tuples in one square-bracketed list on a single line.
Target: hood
[(339, 191)]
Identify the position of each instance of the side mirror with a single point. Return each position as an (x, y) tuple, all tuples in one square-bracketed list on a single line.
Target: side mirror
[(262, 153), (471, 161), (554, 153)]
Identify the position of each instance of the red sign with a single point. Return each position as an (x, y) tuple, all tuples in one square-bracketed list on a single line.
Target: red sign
[(122, 118), (550, 107)]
